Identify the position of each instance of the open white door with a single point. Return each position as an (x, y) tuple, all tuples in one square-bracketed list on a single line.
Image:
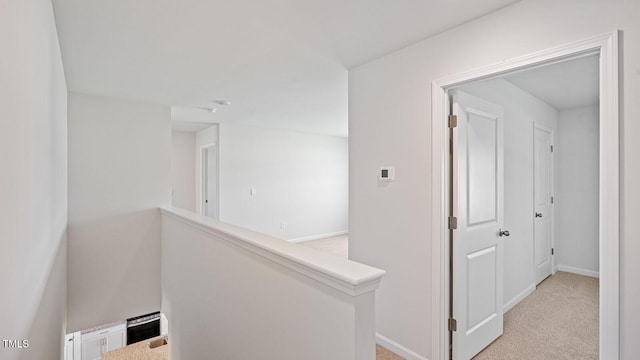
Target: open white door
[(210, 181), (478, 204), (543, 191)]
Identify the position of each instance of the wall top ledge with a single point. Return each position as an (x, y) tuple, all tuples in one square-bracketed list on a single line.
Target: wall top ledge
[(345, 275)]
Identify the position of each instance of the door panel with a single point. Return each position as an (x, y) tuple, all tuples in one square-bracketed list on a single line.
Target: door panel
[(478, 193), (481, 272), (543, 190), (481, 167)]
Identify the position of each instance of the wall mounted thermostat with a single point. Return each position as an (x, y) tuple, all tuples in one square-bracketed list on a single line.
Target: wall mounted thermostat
[(387, 173)]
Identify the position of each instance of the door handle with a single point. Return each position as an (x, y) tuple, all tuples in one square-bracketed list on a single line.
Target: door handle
[(538, 214), (503, 232)]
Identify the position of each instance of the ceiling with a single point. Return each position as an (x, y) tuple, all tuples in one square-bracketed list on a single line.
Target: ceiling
[(281, 63), (566, 85)]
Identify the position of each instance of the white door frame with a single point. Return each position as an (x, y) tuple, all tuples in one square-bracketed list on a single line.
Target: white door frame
[(203, 177), (552, 174), (607, 47)]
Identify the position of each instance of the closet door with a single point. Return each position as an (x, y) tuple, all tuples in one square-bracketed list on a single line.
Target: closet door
[(543, 212)]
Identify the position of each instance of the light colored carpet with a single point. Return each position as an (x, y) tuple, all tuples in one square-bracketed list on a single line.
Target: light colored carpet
[(384, 354), (558, 321), (337, 245)]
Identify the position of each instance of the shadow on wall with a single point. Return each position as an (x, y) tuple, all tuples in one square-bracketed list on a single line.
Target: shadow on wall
[(114, 268), (49, 310)]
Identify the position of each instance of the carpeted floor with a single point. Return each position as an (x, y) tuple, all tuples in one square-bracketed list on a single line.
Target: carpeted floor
[(558, 321), (384, 354)]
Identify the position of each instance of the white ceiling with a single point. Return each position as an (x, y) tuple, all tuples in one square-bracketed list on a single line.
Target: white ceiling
[(281, 63), (565, 85)]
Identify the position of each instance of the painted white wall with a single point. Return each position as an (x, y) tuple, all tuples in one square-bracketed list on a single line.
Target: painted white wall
[(521, 109), (204, 138), (33, 182), (390, 116), (119, 174), (300, 180), (577, 173), (183, 170), (240, 295)]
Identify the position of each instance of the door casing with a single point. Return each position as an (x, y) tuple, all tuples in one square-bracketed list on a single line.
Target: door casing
[(606, 46)]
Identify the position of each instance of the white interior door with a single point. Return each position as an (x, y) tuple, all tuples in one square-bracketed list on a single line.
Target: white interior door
[(543, 191), (210, 181), (478, 204)]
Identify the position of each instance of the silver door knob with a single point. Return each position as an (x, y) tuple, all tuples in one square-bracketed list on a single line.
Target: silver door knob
[(503, 232), (538, 214)]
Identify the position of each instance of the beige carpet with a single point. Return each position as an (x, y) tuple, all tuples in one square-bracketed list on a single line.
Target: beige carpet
[(384, 354), (557, 321)]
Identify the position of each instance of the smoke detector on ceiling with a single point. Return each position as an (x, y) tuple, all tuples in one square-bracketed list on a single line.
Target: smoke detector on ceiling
[(221, 102)]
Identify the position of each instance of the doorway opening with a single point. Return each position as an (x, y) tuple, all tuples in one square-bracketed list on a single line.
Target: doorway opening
[(209, 181), (545, 114), (487, 258)]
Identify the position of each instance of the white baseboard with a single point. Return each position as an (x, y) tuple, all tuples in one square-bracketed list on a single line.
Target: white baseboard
[(398, 349), (574, 270), (321, 236), (516, 299)]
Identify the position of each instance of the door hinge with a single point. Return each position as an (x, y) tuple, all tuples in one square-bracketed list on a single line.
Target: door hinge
[(453, 121), (553, 251), (552, 199), (551, 148), (453, 222), (453, 324)]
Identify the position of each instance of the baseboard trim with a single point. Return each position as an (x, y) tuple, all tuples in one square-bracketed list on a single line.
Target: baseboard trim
[(516, 299), (320, 236), (398, 349), (574, 270)]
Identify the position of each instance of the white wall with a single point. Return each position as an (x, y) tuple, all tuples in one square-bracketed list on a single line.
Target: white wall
[(390, 117), (521, 109), (204, 138), (119, 174), (183, 170), (33, 181), (577, 172), (234, 294), (300, 179)]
